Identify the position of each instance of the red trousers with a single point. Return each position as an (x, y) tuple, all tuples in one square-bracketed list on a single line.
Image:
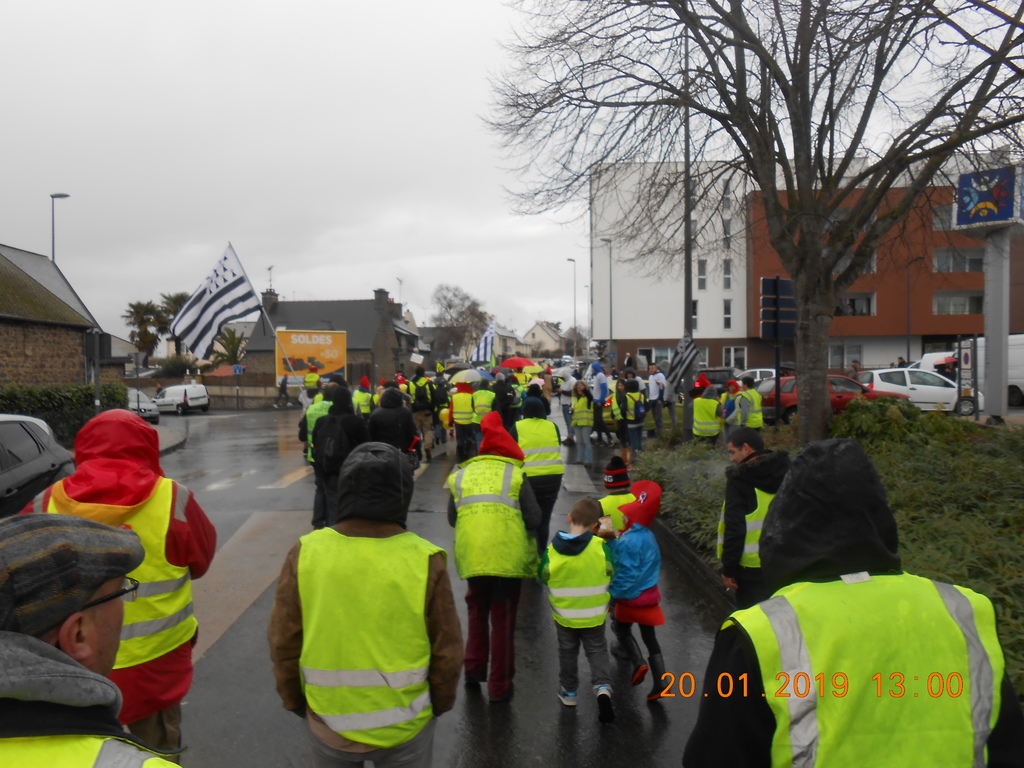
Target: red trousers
[(492, 603)]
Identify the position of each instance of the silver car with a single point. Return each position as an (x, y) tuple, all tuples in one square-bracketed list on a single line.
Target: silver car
[(141, 403)]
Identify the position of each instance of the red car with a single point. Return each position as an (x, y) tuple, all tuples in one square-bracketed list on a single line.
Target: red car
[(841, 390)]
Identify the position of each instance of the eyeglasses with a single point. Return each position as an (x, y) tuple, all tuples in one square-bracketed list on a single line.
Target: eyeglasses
[(127, 592)]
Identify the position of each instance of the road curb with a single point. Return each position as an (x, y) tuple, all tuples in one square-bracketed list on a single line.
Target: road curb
[(710, 592)]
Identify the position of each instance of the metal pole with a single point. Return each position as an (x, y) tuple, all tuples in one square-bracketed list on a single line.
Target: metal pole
[(687, 250), (53, 223), (575, 330), (611, 333)]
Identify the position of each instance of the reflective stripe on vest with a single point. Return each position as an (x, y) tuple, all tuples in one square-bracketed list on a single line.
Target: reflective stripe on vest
[(462, 408), (905, 629), (578, 585), (483, 403), (705, 417), (751, 557), (490, 536), (161, 617), (755, 419), (539, 440), (582, 412), (373, 687), (76, 751)]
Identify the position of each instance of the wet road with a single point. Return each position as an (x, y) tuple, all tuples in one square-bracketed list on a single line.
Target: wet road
[(248, 473)]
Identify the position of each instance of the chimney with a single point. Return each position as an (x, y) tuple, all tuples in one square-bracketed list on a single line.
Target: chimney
[(380, 300), (269, 299)]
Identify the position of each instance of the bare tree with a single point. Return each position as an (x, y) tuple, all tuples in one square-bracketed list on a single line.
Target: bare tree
[(842, 114), (461, 315)]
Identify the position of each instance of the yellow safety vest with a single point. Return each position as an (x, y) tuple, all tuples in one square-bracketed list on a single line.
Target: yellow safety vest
[(582, 412), (317, 409), (365, 651), (755, 419), (578, 585), (483, 403), (462, 408), (705, 417), (877, 670), (612, 505), (539, 440), (490, 536), (361, 401), (160, 618), (76, 751), (751, 557), (311, 380)]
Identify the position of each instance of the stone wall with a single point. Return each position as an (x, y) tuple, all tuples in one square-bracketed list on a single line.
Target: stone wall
[(36, 354)]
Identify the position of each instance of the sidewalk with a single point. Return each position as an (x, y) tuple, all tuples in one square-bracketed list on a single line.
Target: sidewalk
[(171, 438)]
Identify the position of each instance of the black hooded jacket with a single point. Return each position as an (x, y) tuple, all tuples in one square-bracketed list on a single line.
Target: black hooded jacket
[(342, 416), (829, 518), (392, 422), (763, 470)]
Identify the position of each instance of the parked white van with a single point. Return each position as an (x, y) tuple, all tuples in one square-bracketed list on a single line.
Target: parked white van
[(182, 398)]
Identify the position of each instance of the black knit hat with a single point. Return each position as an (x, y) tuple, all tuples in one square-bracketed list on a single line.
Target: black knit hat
[(616, 474), (52, 565)]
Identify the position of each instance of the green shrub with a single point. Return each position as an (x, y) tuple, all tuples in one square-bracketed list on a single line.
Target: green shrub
[(64, 408), (954, 487), (174, 368)]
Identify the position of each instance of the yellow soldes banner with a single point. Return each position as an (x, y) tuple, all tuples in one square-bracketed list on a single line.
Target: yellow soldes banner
[(324, 349)]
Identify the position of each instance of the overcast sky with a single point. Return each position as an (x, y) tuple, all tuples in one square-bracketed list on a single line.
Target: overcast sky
[(343, 143)]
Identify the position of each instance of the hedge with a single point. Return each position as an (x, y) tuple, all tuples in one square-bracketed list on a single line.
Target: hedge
[(64, 408), (954, 487)]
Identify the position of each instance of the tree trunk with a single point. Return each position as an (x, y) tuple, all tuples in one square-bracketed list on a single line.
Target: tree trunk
[(815, 303)]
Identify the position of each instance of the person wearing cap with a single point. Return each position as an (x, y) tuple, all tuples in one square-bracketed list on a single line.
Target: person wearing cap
[(616, 482), (364, 636), (461, 415), (751, 482), (634, 588), (707, 414), (540, 441), (311, 381), (63, 583), (494, 513), (730, 408), (880, 641), (362, 399), (118, 481)]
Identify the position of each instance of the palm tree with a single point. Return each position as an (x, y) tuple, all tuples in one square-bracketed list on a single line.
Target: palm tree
[(233, 344), (144, 318), (170, 306)]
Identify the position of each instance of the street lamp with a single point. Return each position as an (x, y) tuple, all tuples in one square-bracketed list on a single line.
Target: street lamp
[(53, 224), (611, 335), (575, 330), (909, 265)]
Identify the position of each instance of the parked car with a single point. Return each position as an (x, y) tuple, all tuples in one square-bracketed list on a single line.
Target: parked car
[(141, 403), (841, 390), (182, 398), (720, 376), (30, 461), (757, 374), (928, 391)]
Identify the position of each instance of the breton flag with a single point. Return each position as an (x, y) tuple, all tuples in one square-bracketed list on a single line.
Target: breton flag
[(485, 349), (684, 357), (224, 295)]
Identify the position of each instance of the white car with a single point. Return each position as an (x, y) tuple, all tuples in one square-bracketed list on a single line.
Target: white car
[(928, 391), (139, 402), (182, 398), (757, 374)]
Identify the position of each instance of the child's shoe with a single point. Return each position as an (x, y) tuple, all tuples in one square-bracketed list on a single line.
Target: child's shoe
[(605, 710), (567, 697)]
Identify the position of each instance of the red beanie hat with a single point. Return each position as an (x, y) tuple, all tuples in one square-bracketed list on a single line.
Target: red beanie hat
[(365, 382), (497, 441), (645, 508)]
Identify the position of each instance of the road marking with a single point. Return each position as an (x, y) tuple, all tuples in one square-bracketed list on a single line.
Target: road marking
[(227, 482), (291, 477), (242, 570)]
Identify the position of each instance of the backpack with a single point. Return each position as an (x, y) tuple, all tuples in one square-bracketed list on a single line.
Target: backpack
[(423, 398), (639, 409), (440, 397), (332, 445)]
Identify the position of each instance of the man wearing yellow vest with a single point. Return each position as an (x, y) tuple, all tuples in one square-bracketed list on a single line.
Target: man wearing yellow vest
[(749, 404), (750, 485), (707, 414), (494, 513), (853, 661), (541, 444), (364, 635), (118, 481)]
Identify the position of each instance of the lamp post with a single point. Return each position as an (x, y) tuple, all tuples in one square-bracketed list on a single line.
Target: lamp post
[(53, 223), (909, 265), (611, 334), (575, 330)]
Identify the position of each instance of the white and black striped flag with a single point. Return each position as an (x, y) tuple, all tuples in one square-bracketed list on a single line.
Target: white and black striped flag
[(685, 356), (485, 348), (224, 295)]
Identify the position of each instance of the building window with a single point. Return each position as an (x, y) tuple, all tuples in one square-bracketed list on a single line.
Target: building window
[(959, 259), (702, 275), (734, 357), (942, 218), (727, 234), (727, 314), (856, 304), (962, 303), (702, 356), (841, 355), (694, 324), (657, 354), (727, 274)]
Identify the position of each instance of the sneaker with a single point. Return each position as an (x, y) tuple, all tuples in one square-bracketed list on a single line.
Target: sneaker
[(567, 697), (605, 710)]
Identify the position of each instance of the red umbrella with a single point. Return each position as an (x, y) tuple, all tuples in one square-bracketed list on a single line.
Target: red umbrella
[(947, 361), (517, 362)]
